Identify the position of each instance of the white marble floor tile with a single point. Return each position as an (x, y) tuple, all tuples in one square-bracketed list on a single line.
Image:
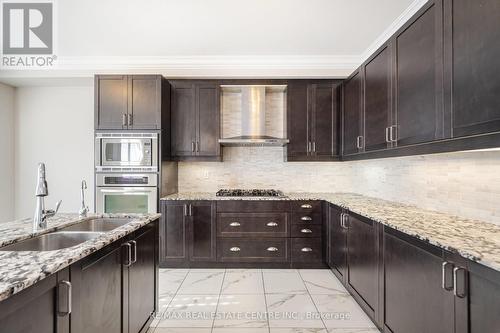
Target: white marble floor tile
[(240, 330), (352, 330), (279, 270), (234, 311), (183, 330), (243, 270), (341, 311), (207, 270), (321, 281), (293, 311), (283, 283), (201, 283), (163, 303), (243, 282), (190, 311), (298, 330), (173, 270), (170, 281)]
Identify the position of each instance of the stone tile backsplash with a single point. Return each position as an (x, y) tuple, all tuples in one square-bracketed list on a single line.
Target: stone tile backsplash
[(466, 183)]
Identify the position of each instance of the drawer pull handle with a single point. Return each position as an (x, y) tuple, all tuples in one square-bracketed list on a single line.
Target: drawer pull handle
[(306, 231), (272, 249), (306, 249), (272, 224), (235, 249), (234, 224), (306, 206), (306, 218)]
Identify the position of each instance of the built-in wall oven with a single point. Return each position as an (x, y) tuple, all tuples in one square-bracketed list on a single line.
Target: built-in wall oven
[(126, 152), (126, 193)]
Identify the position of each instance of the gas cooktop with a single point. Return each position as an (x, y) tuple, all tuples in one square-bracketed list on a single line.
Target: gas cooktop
[(249, 193)]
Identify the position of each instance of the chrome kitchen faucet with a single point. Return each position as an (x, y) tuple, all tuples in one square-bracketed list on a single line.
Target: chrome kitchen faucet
[(41, 215), (84, 209)]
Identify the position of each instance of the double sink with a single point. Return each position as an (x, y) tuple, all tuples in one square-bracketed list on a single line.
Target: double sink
[(68, 236)]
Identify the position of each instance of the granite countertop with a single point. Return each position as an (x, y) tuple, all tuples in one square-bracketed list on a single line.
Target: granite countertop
[(472, 239), (22, 269)]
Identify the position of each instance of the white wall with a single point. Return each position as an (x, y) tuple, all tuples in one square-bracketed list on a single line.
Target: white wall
[(7, 153), (54, 125), (465, 183)]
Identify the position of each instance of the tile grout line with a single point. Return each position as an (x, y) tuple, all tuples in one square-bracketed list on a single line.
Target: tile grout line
[(314, 303), (265, 301), (218, 300)]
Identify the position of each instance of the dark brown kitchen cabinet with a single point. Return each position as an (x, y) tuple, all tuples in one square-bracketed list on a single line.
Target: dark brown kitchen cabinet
[(313, 120), (188, 233), (352, 114), (128, 102), (42, 308), (337, 242), (195, 121), (415, 294), (362, 262), (473, 59), (377, 100), (418, 80)]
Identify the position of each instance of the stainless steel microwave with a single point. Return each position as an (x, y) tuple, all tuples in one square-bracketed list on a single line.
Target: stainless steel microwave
[(119, 152)]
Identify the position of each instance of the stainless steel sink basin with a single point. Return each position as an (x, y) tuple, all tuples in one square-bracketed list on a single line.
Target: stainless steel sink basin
[(53, 241), (98, 225)]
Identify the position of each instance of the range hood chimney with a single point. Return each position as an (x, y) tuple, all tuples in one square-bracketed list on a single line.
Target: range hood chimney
[(248, 118)]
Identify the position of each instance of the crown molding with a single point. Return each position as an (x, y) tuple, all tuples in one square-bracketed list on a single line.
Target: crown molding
[(395, 25)]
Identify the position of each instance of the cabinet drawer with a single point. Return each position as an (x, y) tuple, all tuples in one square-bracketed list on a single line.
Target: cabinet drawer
[(252, 224), (306, 250), (307, 217), (251, 250), (306, 206), (251, 206), (306, 230)]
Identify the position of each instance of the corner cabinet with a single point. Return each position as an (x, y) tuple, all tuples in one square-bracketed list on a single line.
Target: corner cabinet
[(127, 102), (195, 121), (187, 233), (313, 120)]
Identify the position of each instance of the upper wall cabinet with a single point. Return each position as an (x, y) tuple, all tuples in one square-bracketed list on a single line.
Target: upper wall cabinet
[(418, 83), (195, 120), (313, 120), (128, 102), (473, 57), (352, 141)]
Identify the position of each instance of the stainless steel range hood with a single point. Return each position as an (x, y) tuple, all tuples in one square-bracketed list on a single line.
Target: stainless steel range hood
[(253, 115)]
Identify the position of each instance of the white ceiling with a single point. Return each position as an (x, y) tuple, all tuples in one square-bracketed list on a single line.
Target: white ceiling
[(219, 37)]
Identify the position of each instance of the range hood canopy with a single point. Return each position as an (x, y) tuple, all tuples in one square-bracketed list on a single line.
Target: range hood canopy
[(248, 116)]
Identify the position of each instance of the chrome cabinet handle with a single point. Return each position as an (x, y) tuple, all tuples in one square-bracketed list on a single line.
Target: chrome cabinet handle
[(272, 224), (314, 146), (197, 146), (306, 231), (443, 276), (359, 142), (134, 251), (130, 119), (67, 311), (458, 294), (342, 220), (387, 135), (185, 210), (392, 136), (306, 249), (234, 224), (309, 146), (129, 254), (306, 206), (235, 249), (190, 210), (306, 218), (272, 249), (192, 147), (124, 119)]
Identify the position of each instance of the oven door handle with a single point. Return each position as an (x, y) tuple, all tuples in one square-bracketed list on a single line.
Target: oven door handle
[(131, 190)]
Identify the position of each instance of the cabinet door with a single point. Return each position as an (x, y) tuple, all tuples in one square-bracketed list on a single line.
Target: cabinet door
[(325, 122), (202, 232), (35, 310), (173, 247), (415, 301), (110, 102), (141, 281), (337, 259), (207, 120), (298, 121), (362, 262), (473, 32), (419, 78), (377, 100), (144, 94), (183, 115), (97, 293), (352, 114)]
